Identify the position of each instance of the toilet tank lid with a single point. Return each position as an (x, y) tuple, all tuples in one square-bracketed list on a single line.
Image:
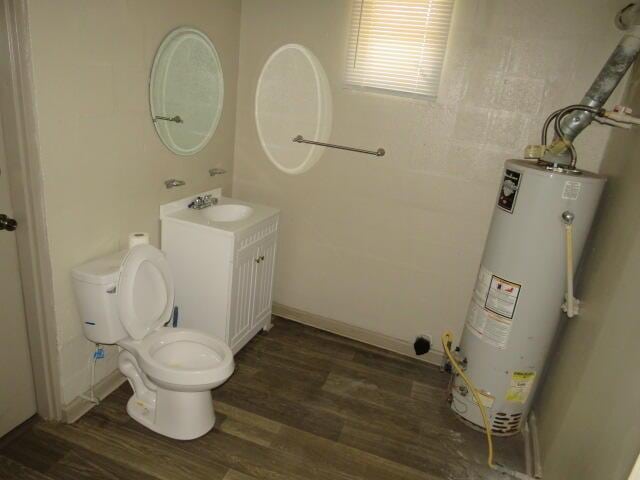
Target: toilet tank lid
[(101, 271)]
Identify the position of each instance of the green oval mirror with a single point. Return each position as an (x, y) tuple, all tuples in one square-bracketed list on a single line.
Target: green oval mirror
[(186, 91)]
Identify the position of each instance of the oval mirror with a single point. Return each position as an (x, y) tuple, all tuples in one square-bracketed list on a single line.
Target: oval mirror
[(186, 91), (293, 98)]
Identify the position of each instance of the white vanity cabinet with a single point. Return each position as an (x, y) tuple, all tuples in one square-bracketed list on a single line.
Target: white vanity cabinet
[(223, 271), (251, 291)]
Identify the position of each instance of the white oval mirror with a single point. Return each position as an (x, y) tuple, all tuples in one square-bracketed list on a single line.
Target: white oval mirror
[(186, 91), (293, 98)]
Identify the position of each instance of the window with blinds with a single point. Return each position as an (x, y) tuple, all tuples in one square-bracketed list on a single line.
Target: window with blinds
[(398, 46)]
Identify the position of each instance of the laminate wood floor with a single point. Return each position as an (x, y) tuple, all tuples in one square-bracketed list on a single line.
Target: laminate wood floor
[(302, 404)]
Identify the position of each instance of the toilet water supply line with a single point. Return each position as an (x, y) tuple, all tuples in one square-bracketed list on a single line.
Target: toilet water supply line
[(97, 354), (447, 341)]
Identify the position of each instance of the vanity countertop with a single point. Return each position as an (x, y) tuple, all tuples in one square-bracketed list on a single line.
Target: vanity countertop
[(179, 212)]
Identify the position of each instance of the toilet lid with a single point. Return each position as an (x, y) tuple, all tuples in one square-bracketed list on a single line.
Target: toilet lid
[(145, 291)]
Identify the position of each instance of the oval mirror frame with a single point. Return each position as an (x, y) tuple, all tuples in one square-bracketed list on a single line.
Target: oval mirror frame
[(293, 97), (186, 117)]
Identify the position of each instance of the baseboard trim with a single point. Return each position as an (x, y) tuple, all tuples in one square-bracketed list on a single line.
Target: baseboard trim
[(528, 453), (356, 333), (79, 406), (535, 445)]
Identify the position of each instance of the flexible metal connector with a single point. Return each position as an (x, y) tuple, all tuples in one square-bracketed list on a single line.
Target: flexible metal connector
[(621, 59)]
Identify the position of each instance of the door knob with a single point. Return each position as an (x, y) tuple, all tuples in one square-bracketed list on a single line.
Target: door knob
[(7, 223)]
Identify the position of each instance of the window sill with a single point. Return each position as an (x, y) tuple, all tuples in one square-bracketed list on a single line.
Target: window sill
[(383, 92)]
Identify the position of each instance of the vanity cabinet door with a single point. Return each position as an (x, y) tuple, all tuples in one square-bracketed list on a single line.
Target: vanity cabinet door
[(243, 295), (264, 288)]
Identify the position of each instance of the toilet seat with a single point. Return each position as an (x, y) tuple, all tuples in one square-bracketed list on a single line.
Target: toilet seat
[(145, 291), (174, 358), (185, 359)]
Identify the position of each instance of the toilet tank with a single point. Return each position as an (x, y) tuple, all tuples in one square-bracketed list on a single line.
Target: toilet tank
[(95, 284)]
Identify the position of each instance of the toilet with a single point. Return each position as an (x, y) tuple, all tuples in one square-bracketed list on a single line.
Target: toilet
[(127, 299)]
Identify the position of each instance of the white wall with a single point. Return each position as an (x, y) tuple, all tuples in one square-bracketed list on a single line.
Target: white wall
[(393, 244), (389, 244), (588, 407), (103, 163)]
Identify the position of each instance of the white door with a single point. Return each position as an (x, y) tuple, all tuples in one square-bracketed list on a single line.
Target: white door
[(243, 291), (17, 395), (264, 286)]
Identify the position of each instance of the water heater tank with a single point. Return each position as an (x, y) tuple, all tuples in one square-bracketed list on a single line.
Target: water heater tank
[(515, 307)]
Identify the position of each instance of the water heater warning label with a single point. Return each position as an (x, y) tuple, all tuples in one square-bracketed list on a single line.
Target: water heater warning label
[(487, 326), (491, 311), (521, 383), (571, 190), (502, 296)]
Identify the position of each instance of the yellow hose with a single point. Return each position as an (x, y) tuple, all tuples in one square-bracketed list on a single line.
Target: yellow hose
[(447, 339)]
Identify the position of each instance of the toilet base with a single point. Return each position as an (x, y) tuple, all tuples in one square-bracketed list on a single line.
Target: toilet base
[(179, 415), (174, 414)]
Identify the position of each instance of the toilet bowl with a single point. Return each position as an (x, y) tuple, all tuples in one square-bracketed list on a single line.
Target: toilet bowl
[(127, 299)]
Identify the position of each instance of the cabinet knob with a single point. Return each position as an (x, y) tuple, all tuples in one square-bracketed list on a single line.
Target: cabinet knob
[(258, 260), (262, 258)]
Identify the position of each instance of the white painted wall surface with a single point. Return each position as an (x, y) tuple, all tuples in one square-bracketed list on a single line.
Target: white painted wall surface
[(390, 245), (104, 165), (393, 244), (587, 409)]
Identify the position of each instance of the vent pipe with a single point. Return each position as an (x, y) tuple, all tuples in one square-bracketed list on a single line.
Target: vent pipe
[(623, 56)]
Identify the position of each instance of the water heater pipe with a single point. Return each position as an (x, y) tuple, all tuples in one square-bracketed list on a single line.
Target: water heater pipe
[(447, 341), (623, 56), (567, 218)]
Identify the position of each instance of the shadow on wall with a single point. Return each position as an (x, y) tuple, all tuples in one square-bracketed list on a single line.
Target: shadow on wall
[(591, 349), (392, 244)]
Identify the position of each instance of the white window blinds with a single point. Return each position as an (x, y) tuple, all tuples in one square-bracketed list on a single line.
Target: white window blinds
[(398, 45)]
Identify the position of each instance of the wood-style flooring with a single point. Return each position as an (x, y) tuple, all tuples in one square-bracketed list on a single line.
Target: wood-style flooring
[(302, 404)]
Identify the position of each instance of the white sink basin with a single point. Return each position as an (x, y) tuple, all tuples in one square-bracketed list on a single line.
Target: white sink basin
[(227, 213), (229, 216)]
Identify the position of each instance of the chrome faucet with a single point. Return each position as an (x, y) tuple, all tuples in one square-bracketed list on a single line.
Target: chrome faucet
[(203, 202)]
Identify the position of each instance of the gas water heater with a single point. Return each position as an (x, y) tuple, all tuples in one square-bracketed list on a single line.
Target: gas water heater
[(541, 220), (515, 307)]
